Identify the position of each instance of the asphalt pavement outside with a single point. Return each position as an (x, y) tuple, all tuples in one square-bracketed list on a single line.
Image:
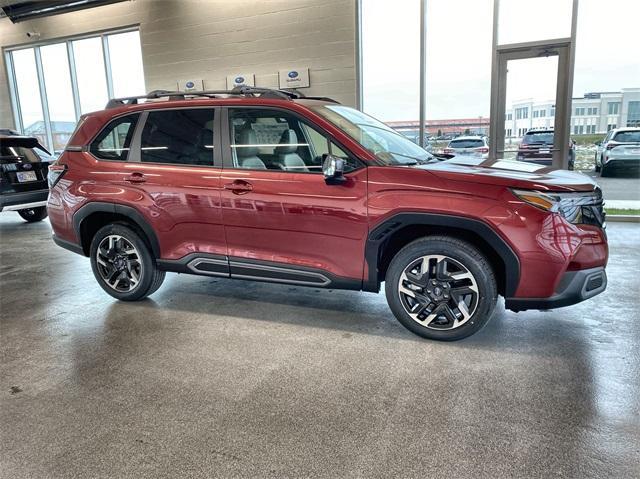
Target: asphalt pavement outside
[(217, 378), (621, 191)]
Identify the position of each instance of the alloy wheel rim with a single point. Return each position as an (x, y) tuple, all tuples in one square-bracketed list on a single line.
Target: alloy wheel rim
[(438, 292), (119, 263)]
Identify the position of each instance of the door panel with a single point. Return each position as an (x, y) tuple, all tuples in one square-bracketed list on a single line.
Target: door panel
[(176, 169), (297, 219)]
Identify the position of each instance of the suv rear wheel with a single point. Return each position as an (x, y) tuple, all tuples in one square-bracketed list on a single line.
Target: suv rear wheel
[(33, 214), (122, 263), (441, 288)]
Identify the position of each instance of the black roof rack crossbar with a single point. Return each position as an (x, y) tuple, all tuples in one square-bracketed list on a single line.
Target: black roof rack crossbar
[(240, 90)]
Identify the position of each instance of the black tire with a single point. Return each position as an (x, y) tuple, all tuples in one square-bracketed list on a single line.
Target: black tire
[(32, 215), (595, 160), (466, 256), (604, 171), (150, 278)]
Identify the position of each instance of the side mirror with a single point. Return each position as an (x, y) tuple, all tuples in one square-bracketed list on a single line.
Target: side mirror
[(333, 169)]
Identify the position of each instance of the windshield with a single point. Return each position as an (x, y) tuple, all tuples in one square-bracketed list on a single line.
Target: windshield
[(546, 138), (466, 143), (389, 146), (628, 137)]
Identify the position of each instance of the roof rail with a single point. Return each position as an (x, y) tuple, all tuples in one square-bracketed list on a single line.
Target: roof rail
[(239, 90)]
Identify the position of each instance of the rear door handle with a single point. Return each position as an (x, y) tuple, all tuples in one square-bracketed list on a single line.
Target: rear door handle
[(239, 187), (135, 178)]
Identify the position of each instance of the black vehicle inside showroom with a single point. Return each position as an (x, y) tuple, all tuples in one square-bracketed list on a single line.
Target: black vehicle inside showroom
[(319, 239), (23, 181)]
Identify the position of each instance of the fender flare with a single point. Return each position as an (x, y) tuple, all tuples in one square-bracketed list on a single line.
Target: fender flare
[(379, 236), (131, 213)]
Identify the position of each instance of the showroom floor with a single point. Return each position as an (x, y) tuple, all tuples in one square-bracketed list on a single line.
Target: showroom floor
[(220, 378)]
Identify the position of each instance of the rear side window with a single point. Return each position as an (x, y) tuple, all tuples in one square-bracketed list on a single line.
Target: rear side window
[(114, 142), (466, 144), (182, 137)]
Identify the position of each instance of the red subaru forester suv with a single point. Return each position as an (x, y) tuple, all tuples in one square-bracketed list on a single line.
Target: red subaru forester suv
[(268, 185)]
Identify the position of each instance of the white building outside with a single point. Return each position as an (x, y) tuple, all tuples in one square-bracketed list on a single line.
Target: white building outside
[(594, 113)]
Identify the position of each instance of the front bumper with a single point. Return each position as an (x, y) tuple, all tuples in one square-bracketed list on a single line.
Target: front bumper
[(23, 200), (574, 287)]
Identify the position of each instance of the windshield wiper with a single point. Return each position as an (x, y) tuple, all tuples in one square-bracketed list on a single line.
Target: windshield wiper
[(416, 161)]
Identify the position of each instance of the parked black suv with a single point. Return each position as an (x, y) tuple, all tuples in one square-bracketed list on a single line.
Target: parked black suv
[(23, 176), (537, 147)]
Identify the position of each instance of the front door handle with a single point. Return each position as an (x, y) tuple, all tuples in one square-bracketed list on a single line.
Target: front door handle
[(239, 187), (135, 177)]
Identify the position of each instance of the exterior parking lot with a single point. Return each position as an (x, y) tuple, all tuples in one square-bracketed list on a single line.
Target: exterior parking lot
[(210, 377)]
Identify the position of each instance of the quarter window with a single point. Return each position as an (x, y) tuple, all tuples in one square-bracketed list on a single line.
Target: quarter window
[(182, 137), (114, 142)]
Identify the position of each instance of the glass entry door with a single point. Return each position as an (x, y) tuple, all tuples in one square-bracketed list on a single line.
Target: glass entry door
[(530, 97)]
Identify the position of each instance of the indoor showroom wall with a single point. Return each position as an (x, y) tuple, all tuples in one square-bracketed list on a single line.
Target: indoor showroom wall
[(210, 39)]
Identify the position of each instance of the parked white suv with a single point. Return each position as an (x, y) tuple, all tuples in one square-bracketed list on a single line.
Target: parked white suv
[(619, 149), (476, 146)]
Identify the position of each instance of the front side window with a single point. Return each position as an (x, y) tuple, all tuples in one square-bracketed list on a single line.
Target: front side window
[(114, 142), (389, 146), (264, 139), (181, 137)]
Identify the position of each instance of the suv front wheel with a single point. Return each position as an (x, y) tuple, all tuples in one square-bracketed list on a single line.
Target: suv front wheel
[(441, 288), (122, 263)]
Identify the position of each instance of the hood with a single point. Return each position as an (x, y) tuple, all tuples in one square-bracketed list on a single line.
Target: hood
[(515, 174)]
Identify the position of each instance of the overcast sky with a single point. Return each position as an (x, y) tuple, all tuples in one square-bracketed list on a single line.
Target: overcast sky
[(459, 52)]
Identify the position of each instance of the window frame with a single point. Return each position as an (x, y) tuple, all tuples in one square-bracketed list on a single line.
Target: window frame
[(227, 154)]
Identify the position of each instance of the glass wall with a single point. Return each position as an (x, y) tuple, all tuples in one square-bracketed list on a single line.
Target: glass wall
[(90, 74), (457, 70), (126, 66), (28, 91), (606, 85), (53, 84), (57, 81), (390, 55)]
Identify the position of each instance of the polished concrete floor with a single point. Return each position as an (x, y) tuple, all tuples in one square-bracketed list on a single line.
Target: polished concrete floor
[(214, 378)]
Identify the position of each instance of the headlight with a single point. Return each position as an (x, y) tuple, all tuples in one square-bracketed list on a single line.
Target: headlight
[(577, 208), (544, 201)]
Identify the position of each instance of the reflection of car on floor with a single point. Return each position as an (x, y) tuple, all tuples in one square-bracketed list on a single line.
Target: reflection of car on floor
[(23, 176), (619, 149), (537, 147), (267, 185), (476, 146)]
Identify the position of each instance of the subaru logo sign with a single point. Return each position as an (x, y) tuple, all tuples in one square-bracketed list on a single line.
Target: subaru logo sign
[(293, 74), (27, 166), (239, 80), (190, 84)]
